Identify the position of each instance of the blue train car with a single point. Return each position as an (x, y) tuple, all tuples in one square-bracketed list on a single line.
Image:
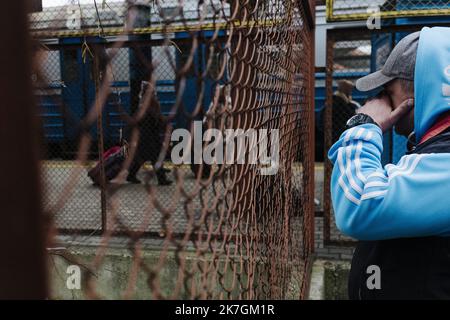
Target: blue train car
[(71, 91)]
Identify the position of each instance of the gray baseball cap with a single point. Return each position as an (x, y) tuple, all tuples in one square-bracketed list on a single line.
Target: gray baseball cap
[(400, 64)]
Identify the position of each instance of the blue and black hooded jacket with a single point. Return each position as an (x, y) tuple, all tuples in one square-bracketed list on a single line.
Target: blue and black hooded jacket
[(401, 212)]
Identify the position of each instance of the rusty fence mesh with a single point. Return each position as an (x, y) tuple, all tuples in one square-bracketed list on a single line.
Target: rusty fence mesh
[(119, 84), (353, 53), (346, 10)]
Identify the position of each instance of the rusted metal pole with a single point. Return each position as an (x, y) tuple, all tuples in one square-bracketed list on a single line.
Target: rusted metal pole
[(327, 129), (100, 140), (22, 241), (308, 157), (310, 169), (36, 6)]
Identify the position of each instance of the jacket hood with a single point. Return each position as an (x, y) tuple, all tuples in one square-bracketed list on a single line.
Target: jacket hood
[(431, 78)]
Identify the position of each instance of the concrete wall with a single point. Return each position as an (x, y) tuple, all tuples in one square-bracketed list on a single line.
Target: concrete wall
[(329, 280), (112, 278)]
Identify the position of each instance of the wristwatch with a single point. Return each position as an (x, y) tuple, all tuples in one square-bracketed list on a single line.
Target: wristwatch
[(358, 119)]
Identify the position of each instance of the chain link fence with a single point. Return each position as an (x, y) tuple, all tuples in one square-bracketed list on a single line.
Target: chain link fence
[(116, 81), (353, 53), (346, 10)]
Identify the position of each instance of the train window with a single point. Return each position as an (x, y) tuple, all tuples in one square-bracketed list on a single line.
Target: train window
[(171, 12), (70, 65), (120, 65), (164, 56), (52, 69)]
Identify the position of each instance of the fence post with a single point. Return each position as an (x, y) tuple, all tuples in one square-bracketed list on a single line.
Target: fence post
[(100, 143), (327, 130), (22, 240), (311, 136), (36, 6)]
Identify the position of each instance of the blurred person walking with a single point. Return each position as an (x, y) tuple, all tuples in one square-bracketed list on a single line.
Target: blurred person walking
[(149, 146)]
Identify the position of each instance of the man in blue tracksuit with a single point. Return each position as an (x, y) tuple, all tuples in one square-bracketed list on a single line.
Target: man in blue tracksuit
[(399, 212)]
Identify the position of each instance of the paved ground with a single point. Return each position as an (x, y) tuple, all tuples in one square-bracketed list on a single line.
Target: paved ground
[(82, 210)]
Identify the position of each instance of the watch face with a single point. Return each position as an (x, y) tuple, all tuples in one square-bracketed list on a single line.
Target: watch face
[(352, 120), (358, 119)]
